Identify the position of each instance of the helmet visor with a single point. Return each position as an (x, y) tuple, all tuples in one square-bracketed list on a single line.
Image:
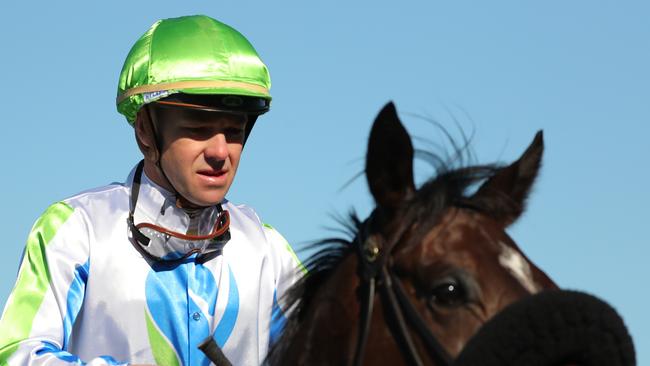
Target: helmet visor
[(218, 102)]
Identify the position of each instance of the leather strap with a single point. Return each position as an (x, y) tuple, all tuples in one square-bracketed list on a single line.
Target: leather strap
[(374, 271)]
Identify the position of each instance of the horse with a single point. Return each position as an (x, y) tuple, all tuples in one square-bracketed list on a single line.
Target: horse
[(438, 254), (443, 264)]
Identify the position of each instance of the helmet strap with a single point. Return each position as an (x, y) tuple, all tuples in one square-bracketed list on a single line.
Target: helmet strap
[(249, 127), (181, 202)]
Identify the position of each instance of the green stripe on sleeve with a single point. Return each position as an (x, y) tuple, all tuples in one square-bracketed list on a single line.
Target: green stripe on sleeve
[(32, 283), (290, 250)]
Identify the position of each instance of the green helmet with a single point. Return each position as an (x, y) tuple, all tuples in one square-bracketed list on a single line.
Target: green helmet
[(193, 56)]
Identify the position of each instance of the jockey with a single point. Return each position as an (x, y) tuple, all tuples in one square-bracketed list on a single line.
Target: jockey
[(142, 272)]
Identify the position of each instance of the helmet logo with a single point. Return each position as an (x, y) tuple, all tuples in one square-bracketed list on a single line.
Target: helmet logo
[(155, 95), (232, 101)]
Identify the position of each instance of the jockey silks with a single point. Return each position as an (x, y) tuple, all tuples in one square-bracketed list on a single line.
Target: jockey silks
[(84, 294)]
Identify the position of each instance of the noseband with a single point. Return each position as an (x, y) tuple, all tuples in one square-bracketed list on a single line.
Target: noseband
[(375, 271)]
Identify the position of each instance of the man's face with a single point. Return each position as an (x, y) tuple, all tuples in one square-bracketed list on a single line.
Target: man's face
[(200, 151)]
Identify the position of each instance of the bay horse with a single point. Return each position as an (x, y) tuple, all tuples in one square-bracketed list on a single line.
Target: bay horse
[(438, 255)]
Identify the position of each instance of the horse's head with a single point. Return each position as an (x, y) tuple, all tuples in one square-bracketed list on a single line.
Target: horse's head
[(449, 249), (445, 252)]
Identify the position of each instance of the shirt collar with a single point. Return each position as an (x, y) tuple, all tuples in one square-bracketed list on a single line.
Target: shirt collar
[(157, 205)]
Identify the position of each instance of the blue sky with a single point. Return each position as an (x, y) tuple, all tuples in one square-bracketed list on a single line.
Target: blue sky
[(502, 69)]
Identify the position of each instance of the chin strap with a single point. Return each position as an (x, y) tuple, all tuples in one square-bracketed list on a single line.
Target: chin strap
[(158, 146), (249, 127)]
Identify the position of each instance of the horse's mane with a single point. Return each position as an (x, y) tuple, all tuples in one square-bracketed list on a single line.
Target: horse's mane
[(451, 185)]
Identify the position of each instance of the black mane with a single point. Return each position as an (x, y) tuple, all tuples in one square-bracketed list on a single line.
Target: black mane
[(450, 186)]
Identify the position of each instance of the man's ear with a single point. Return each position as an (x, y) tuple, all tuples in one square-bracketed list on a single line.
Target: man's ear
[(144, 135)]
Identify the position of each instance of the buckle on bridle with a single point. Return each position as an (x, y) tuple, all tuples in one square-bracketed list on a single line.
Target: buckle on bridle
[(371, 249)]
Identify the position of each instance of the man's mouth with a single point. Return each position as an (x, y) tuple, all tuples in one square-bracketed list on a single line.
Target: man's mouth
[(212, 173)]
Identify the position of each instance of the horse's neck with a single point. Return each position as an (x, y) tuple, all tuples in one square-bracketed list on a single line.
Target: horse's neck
[(327, 334)]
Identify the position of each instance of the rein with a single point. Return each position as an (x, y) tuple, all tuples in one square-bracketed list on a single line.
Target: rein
[(375, 272)]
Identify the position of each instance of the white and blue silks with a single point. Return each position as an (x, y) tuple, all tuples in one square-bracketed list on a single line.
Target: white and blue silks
[(85, 295)]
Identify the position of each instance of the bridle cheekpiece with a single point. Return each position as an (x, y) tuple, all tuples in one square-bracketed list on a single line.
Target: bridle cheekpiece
[(375, 271)]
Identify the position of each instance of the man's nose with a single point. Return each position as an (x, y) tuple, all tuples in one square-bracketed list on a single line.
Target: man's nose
[(217, 147)]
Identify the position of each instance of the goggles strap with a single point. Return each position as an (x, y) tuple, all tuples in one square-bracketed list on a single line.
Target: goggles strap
[(135, 191)]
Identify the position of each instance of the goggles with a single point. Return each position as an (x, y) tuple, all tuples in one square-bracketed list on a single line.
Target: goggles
[(209, 232)]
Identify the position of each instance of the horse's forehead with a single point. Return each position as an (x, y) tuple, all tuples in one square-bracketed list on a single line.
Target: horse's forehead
[(519, 267), (469, 238), (459, 229)]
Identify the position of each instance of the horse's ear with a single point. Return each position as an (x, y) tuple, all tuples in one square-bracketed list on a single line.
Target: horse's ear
[(505, 193), (389, 161)]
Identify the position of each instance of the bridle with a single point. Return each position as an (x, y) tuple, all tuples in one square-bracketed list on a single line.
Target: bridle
[(375, 271)]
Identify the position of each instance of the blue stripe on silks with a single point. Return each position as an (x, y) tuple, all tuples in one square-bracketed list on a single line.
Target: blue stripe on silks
[(199, 331), (49, 348), (166, 294), (204, 285), (278, 320), (75, 299), (111, 361), (172, 309), (227, 323)]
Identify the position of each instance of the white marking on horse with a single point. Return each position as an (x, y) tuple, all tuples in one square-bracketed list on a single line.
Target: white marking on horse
[(517, 265)]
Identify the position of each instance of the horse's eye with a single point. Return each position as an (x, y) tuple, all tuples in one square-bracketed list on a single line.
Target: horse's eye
[(449, 294)]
